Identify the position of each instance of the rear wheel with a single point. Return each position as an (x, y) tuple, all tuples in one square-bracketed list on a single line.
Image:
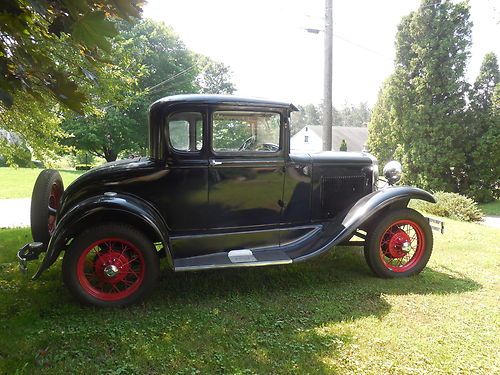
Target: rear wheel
[(399, 245), (111, 265), (45, 202)]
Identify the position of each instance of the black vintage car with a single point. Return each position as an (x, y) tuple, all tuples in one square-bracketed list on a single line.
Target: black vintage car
[(220, 189)]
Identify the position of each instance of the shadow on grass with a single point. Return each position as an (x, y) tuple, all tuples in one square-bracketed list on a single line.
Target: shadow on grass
[(269, 320)]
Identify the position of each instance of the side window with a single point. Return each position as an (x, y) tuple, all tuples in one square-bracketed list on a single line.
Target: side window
[(186, 131), (234, 131)]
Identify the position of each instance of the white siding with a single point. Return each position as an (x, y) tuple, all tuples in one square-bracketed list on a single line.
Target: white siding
[(298, 141)]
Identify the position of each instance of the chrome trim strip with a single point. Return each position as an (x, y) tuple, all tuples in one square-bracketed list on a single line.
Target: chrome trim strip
[(232, 265)]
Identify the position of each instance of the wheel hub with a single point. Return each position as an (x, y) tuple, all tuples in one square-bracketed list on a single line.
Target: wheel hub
[(399, 244), (111, 270), (112, 267)]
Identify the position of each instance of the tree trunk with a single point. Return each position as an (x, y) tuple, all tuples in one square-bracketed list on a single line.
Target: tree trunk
[(110, 155)]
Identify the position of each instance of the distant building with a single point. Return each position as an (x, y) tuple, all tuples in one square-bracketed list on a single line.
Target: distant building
[(310, 138)]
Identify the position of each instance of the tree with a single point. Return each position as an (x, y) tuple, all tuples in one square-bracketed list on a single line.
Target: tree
[(151, 62), (214, 77), (482, 167), (50, 55), (426, 99), (28, 27), (383, 127), (357, 116)]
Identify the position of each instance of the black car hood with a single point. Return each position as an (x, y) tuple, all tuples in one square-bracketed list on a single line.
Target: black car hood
[(341, 157)]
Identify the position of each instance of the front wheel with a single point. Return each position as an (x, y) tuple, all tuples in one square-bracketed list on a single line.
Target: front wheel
[(111, 265), (399, 245)]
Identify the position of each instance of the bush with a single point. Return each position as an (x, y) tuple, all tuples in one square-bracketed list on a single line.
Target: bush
[(83, 167), (452, 205)]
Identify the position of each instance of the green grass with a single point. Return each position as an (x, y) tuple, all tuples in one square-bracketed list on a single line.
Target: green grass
[(18, 183), (492, 208), (329, 315)]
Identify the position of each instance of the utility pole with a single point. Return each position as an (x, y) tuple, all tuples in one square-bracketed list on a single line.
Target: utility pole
[(327, 88)]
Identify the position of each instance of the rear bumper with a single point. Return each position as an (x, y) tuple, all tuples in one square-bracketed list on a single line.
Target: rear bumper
[(30, 251), (436, 224)]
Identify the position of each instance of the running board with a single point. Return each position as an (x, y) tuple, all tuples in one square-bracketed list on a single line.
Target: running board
[(233, 258)]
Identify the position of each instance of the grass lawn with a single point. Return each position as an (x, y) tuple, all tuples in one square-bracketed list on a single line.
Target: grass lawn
[(18, 183), (326, 316), (492, 208)]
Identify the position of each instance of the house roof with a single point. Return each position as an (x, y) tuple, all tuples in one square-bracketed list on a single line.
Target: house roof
[(355, 137)]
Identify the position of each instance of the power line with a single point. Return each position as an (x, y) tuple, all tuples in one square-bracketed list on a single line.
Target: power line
[(172, 77)]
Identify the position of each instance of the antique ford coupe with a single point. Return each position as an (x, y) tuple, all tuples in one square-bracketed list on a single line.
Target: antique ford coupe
[(220, 189)]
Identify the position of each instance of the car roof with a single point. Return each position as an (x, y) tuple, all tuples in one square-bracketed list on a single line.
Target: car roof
[(221, 99)]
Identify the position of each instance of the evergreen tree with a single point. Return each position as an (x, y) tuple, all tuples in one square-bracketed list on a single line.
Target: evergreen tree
[(482, 169), (426, 98)]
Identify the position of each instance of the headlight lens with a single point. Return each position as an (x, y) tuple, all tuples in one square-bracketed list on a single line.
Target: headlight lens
[(392, 172)]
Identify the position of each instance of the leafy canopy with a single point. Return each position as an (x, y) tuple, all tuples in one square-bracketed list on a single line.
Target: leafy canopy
[(28, 28)]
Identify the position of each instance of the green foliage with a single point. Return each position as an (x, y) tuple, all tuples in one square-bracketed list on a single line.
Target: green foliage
[(33, 123), (83, 167), (214, 77), (116, 119), (350, 115), (28, 27), (422, 104), (343, 145), (451, 205), (150, 62), (480, 174), (383, 131), (491, 208)]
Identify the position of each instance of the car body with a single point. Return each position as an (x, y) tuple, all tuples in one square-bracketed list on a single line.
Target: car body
[(221, 189)]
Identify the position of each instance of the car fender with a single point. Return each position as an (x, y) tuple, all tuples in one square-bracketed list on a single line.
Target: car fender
[(129, 208), (362, 211)]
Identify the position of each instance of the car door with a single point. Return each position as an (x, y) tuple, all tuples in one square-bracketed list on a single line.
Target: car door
[(246, 171), (184, 189)]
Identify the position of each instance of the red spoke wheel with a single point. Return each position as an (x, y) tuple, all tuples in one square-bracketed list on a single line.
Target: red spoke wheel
[(400, 244), (111, 265), (45, 201)]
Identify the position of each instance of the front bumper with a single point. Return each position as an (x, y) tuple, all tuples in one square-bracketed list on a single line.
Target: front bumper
[(30, 251)]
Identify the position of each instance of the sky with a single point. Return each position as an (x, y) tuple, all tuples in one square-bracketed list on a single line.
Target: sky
[(271, 55)]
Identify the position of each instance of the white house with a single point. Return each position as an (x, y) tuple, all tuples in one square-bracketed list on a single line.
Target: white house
[(310, 138)]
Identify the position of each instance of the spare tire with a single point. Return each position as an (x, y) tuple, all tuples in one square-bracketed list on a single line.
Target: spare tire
[(45, 202)]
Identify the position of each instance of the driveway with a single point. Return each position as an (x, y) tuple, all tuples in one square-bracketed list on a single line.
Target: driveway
[(491, 221), (15, 212)]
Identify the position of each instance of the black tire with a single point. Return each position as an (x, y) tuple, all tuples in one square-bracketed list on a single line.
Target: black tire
[(46, 192), (386, 242), (95, 287)]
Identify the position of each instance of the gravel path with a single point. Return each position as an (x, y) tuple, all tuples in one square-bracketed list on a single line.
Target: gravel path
[(492, 221), (15, 212)]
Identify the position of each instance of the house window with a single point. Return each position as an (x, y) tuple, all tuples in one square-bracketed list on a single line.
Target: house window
[(306, 139)]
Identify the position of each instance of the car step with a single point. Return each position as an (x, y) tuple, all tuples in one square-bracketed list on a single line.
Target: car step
[(233, 258)]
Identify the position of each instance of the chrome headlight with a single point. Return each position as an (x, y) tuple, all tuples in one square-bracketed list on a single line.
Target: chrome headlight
[(392, 172)]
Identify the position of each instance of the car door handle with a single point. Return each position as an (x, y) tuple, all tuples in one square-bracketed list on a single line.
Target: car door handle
[(215, 162)]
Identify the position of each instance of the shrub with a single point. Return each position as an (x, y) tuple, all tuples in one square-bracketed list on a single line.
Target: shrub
[(452, 205), (83, 167)]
